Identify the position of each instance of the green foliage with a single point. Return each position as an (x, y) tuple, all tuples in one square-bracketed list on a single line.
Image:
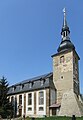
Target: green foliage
[(57, 118), (5, 106), (27, 118), (54, 118)]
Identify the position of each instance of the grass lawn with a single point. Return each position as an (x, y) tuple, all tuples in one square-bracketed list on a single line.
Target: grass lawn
[(56, 118)]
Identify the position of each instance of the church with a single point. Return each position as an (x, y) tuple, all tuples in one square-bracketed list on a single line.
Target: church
[(56, 93)]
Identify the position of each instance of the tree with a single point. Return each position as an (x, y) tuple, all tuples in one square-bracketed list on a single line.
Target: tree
[(5, 106)]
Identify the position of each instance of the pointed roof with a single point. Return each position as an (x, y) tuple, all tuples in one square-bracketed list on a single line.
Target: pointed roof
[(65, 44)]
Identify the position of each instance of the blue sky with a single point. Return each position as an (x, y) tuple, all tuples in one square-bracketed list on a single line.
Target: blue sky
[(30, 34)]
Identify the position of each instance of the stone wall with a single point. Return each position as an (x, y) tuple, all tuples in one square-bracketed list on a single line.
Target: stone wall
[(63, 74), (70, 105)]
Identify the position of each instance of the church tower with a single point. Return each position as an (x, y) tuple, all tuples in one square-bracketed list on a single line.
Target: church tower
[(66, 75)]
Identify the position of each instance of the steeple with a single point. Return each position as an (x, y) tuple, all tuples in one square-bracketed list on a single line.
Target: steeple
[(65, 29), (66, 75), (65, 33)]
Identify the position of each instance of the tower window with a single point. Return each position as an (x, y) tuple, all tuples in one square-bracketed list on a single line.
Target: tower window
[(62, 59)]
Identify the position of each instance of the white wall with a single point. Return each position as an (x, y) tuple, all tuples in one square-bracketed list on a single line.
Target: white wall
[(31, 113)]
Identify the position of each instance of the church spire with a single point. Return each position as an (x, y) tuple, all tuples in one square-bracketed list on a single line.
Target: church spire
[(65, 29), (65, 44)]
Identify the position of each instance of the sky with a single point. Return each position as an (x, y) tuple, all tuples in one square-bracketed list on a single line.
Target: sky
[(30, 34)]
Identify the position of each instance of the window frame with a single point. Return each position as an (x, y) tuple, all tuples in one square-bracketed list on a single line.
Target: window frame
[(20, 99), (29, 99), (41, 98), (29, 108), (41, 108)]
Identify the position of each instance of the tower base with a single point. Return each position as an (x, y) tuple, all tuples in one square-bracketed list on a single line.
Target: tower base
[(71, 105)]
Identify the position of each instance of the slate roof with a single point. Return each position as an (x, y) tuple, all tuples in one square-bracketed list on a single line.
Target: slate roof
[(39, 82), (36, 78)]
